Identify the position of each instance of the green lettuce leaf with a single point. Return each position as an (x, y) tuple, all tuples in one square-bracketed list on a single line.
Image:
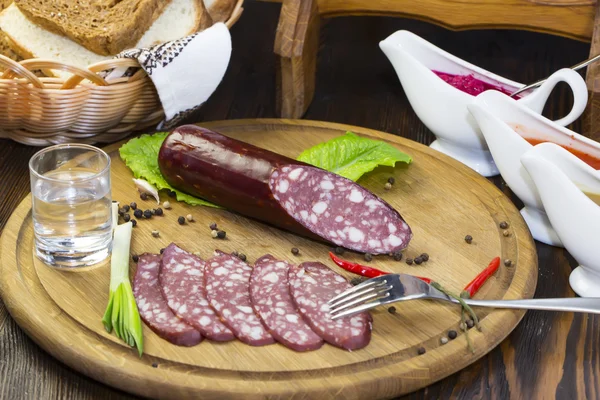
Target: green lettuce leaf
[(141, 156), (351, 155)]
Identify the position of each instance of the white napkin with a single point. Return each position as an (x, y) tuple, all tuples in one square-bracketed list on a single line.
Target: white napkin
[(186, 71)]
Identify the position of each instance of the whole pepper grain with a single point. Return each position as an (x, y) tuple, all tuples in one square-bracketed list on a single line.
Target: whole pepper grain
[(144, 196), (171, 193), (452, 334), (221, 234), (425, 257), (138, 213), (133, 205), (181, 220), (387, 186), (507, 262), (126, 217), (469, 239), (397, 256), (242, 256), (368, 257), (295, 251), (158, 211), (147, 214), (133, 223), (126, 208), (392, 310), (391, 180), (409, 261), (135, 258), (421, 351), (418, 260), (339, 251), (503, 225)]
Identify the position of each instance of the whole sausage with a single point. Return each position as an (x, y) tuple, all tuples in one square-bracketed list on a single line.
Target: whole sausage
[(280, 191)]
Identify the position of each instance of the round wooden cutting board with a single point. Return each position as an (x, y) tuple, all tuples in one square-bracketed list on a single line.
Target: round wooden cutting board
[(441, 200)]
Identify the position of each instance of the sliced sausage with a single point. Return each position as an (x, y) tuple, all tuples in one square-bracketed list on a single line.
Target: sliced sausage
[(272, 302), (280, 191), (312, 285), (227, 282), (153, 308), (182, 284)]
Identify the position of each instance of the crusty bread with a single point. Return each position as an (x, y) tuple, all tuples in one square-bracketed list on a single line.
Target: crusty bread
[(104, 27), (180, 18), (220, 10), (5, 48)]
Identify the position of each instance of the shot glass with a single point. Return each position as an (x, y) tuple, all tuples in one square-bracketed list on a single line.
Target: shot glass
[(71, 205)]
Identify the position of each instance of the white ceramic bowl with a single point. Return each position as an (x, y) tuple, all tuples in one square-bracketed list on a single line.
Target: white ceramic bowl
[(443, 108), (574, 216), (500, 117)]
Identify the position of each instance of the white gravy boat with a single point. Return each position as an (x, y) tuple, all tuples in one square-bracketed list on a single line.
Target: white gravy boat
[(500, 117), (574, 216), (443, 108)]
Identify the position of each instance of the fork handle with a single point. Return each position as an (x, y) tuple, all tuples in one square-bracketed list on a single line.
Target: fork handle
[(574, 304)]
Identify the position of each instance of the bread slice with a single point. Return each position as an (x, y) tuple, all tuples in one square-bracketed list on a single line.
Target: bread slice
[(180, 18), (104, 27), (5, 48), (220, 10)]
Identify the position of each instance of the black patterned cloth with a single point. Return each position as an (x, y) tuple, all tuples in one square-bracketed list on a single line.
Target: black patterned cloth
[(186, 71)]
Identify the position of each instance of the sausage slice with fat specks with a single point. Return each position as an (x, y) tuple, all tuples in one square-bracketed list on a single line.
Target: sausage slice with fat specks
[(312, 285), (153, 308), (182, 284), (227, 282), (273, 303)]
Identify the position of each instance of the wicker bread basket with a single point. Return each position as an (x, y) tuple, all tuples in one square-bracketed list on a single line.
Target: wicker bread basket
[(85, 108)]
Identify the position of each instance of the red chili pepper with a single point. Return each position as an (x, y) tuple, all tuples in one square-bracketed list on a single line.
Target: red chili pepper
[(474, 286), (363, 270)]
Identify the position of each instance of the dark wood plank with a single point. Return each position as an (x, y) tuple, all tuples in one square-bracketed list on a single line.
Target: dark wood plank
[(549, 355)]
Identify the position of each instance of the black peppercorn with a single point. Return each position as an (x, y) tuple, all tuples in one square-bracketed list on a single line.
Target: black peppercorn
[(425, 257), (452, 334), (392, 310), (162, 251), (470, 323), (147, 214), (172, 193), (356, 281), (468, 239), (213, 226), (507, 262), (221, 234), (295, 251), (368, 257), (339, 251), (154, 365), (397, 256), (503, 225), (135, 258), (235, 253), (158, 211), (242, 257), (181, 220), (126, 208), (144, 196), (138, 213), (133, 205), (421, 350), (126, 217), (133, 223), (418, 260), (409, 261), (391, 180)]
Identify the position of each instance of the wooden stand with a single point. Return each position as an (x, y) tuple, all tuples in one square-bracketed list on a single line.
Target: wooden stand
[(297, 38)]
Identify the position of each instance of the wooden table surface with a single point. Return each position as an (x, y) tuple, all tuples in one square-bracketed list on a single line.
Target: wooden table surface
[(549, 355)]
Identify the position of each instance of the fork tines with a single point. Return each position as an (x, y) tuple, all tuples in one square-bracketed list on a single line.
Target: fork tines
[(361, 297)]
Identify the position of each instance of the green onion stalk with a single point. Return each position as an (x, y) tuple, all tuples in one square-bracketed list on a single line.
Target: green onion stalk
[(121, 312)]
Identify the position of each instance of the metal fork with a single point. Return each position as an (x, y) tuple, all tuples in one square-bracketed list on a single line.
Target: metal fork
[(392, 288)]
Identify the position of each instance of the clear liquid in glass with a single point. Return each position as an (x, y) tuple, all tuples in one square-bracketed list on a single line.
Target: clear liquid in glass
[(72, 221)]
